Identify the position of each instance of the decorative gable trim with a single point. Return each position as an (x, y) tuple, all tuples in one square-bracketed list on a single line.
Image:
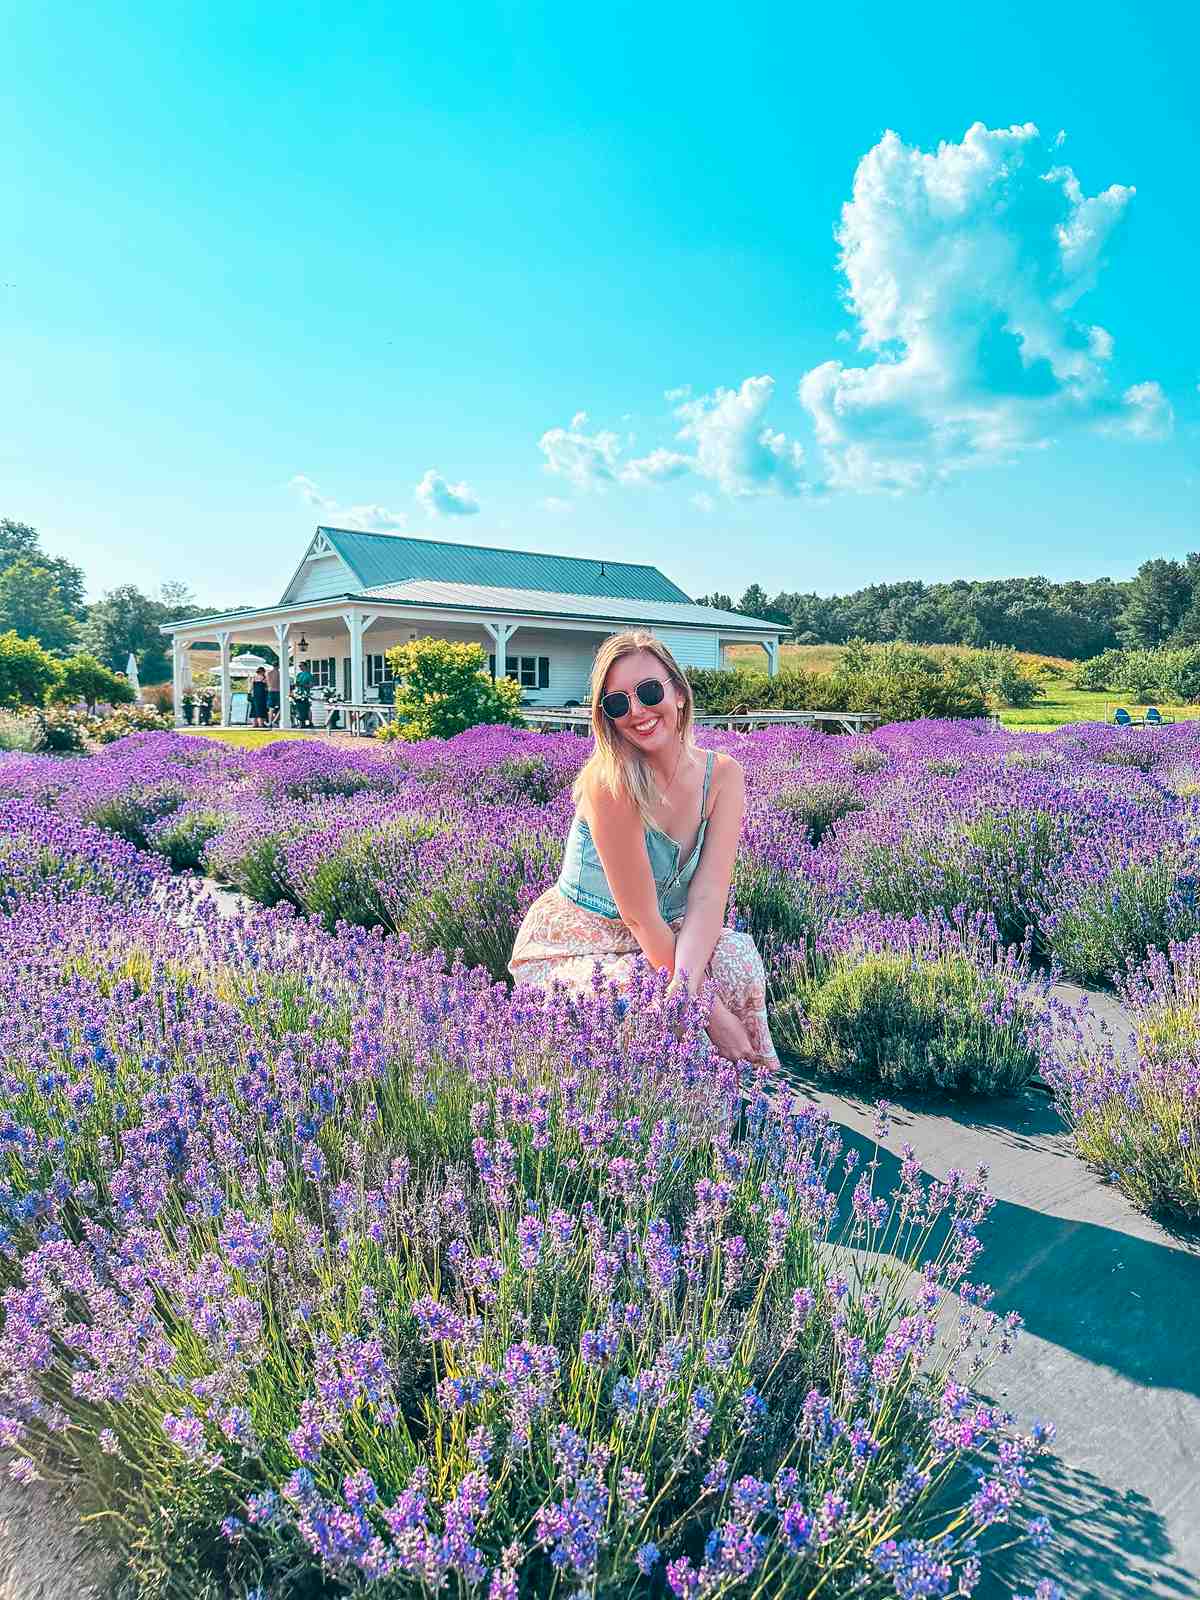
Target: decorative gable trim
[(320, 547)]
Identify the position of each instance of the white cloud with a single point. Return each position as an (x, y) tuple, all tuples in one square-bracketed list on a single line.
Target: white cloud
[(734, 446), (660, 466), (703, 501), (444, 499), (674, 396), (586, 459), (962, 268), (556, 506), (1148, 413), (365, 518)]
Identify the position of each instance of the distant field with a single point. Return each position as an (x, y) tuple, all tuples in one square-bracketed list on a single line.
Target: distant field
[(1063, 702), (823, 657)]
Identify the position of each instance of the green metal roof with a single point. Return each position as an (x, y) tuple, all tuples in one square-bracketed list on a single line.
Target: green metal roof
[(381, 558)]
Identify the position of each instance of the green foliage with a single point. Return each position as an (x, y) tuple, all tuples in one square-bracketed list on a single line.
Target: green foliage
[(1157, 599), (1166, 673), (128, 620), (347, 886), (20, 731), (817, 806), (27, 672), (83, 677), (32, 605), (908, 1022), (905, 684), (443, 688), (182, 838), (899, 681)]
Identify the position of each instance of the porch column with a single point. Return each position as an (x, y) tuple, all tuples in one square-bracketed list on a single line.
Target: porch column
[(771, 646), (357, 622), (285, 682), (177, 684), (223, 637), (501, 633)]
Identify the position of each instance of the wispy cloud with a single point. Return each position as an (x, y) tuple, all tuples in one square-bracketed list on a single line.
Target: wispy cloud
[(588, 460), (963, 269), (365, 518), (442, 499), (660, 466), (556, 506)]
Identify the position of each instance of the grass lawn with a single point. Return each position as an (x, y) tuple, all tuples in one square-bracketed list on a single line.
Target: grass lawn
[(251, 738)]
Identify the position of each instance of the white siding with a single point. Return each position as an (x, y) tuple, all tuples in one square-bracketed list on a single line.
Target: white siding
[(319, 578), (691, 649)]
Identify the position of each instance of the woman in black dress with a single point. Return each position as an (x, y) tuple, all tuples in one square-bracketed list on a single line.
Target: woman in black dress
[(258, 698)]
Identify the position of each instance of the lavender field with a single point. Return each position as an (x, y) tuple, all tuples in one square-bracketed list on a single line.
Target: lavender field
[(332, 1264)]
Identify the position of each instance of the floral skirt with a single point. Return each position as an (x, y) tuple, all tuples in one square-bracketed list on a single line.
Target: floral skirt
[(559, 942)]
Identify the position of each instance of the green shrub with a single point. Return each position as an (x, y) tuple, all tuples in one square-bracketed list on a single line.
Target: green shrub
[(83, 677), (817, 806), (443, 688), (1100, 673), (907, 1021), (27, 672), (182, 839), (21, 731), (362, 880)]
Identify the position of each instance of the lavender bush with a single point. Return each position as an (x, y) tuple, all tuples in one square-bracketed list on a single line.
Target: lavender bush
[(1137, 1118), (915, 1004), (333, 1269)]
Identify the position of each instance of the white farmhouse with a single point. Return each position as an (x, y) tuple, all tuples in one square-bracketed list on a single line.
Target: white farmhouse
[(540, 618)]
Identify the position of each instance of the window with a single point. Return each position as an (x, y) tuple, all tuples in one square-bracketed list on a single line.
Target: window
[(378, 671), (531, 672), (324, 671)]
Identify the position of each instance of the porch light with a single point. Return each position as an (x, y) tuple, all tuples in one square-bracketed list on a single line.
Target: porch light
[(303, 642)]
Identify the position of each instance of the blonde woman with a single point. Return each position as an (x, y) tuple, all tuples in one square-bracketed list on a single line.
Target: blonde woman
[(650, 855)]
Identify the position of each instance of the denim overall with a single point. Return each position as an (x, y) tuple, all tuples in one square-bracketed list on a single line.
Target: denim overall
[(582, 878)]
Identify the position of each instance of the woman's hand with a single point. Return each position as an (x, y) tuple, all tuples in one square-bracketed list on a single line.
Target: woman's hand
[(728, 1034)]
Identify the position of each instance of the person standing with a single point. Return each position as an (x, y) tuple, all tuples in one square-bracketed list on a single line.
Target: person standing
[(258, 698), (273, 696), (304, 687)]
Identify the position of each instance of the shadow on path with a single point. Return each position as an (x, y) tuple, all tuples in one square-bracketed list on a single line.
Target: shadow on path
[(1103, 1282), (1108, 1544)]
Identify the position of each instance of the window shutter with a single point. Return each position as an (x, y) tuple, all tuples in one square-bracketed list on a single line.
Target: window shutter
[(491, 666), (543, 681)]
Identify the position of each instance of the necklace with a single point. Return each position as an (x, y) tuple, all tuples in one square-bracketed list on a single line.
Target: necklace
[(663, 796)]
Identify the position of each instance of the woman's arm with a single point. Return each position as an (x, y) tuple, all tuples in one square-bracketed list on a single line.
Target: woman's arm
[(621, 845), (708, 892)]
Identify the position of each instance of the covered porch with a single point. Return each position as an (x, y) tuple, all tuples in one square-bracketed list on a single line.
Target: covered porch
[(344, 641)]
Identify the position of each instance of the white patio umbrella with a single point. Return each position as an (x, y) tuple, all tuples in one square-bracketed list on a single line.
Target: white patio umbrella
[(131, 673), (245, 666)]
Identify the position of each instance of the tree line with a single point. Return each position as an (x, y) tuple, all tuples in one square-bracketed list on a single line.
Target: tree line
[(1159, 606), (42, 598)]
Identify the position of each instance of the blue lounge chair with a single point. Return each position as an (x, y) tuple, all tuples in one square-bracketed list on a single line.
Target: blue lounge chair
[(1123, 720), (1155, 718)]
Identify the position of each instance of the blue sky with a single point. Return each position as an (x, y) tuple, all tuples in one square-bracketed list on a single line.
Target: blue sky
[(583, 281)]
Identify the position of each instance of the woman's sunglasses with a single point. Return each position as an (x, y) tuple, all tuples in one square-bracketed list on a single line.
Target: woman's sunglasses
[(650, 692)]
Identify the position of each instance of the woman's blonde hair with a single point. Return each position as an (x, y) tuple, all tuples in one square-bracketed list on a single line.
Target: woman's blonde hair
[(614, 762)]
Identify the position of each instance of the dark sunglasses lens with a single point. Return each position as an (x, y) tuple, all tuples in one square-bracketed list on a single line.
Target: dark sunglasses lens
[(615, 704), (650, 692)]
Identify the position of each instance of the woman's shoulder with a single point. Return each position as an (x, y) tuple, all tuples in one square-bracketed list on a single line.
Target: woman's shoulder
[(728, 777)]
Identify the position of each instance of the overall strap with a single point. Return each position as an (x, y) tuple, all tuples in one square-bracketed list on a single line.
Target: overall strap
[(708, 766)]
